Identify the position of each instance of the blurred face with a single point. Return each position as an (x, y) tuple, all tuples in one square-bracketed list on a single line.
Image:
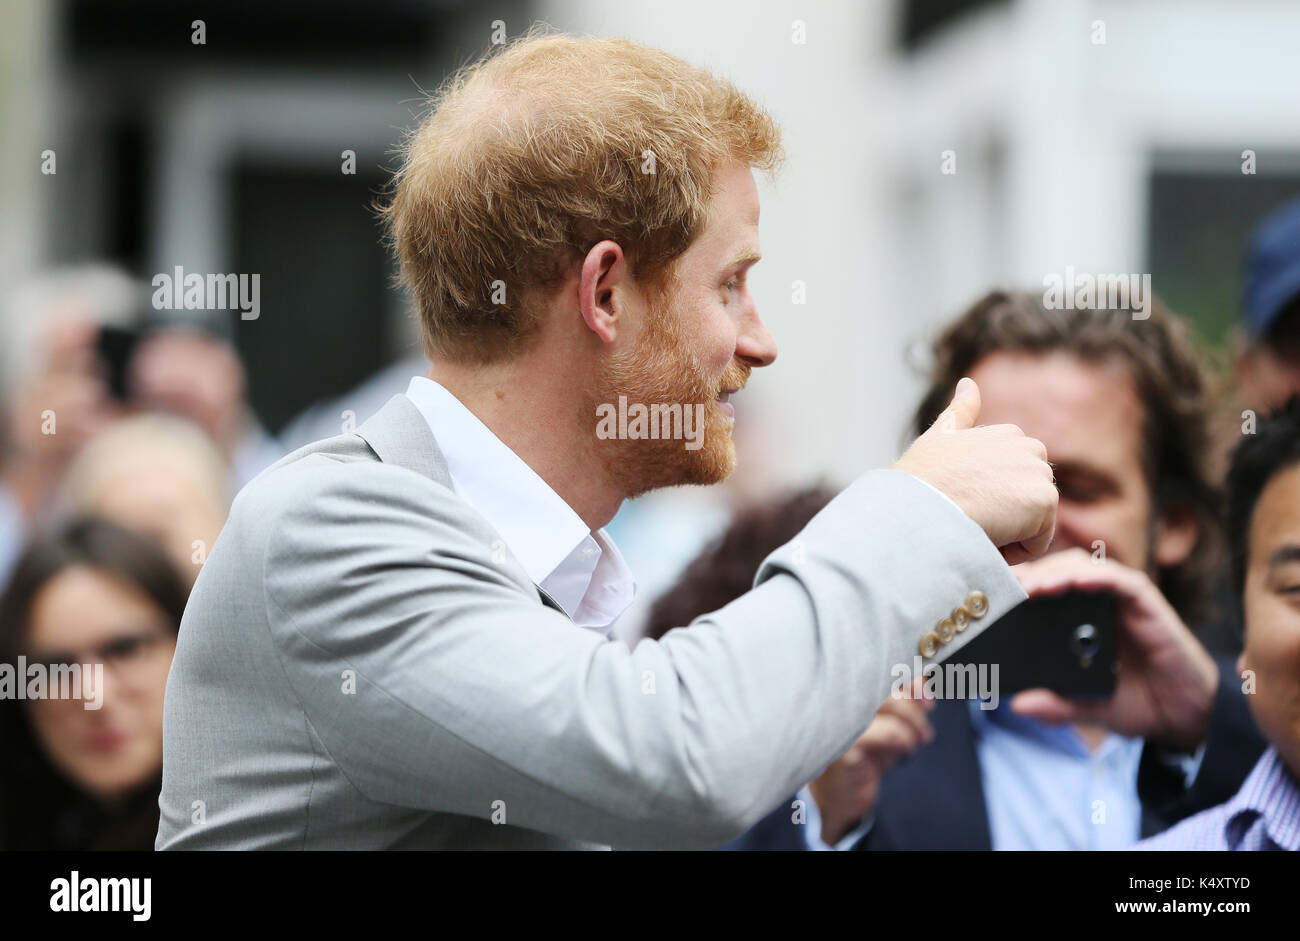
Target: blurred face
[(697, 346), (1269, 373), (67, 377), (163, 501), (1089, 417), (85, 616), (1272, 611)]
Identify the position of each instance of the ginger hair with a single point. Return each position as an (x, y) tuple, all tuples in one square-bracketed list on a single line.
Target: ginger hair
[(535, 152)]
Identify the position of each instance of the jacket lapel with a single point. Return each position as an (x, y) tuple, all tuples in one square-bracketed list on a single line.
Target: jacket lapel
[(399, 435)]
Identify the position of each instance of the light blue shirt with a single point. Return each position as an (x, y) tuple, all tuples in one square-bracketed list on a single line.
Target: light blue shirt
[(1263, 815), (1043, 788)]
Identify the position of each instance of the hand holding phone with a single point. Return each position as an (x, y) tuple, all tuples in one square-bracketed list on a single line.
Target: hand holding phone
[(1165, 682)]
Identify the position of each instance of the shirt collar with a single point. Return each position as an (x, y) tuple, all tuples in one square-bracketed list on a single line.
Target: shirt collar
[(549, 539), (1269, 791)]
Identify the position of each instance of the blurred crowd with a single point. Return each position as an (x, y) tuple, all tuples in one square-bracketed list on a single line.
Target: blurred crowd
[(125, 437)]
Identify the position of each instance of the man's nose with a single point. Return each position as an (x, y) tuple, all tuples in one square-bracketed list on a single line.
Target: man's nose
[(756, 345)]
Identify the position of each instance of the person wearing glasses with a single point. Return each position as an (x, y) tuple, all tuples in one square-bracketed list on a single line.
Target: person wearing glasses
[(84, 772)]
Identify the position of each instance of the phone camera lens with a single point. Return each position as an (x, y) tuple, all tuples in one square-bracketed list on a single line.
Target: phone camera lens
[(1085, 642)]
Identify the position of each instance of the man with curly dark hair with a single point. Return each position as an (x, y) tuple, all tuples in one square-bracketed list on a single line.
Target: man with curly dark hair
[(1122, 402)]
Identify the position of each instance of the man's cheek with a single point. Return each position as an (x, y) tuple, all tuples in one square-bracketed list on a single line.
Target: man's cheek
[(724, 351)]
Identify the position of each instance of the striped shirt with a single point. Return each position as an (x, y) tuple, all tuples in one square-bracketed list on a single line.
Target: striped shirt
[(1263, 815)]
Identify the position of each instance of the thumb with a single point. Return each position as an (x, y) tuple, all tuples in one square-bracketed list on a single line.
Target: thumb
[(964, 409)]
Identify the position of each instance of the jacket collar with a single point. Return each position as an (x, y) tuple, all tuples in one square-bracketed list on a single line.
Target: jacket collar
[(400, 436)]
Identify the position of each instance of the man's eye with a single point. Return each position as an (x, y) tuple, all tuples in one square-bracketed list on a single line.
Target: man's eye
[(1079, 491)]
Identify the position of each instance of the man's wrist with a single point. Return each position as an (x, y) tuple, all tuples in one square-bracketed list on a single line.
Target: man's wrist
[(816, 830), (936, 490), (833, 832)]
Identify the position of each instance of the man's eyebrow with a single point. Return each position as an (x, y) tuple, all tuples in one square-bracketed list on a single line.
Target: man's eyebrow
[(1284, 554), (1083, 468), (746, 257)]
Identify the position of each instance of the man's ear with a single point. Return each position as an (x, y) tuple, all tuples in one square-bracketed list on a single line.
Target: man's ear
[(1176, 534), (605, 276)]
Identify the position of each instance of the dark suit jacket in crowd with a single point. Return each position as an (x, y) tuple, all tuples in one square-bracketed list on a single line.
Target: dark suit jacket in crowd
[(934, 798)]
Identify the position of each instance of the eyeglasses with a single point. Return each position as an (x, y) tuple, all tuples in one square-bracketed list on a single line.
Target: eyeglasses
[(128, 655)]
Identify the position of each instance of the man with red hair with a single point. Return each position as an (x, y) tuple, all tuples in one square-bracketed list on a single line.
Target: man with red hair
[(401, 637)]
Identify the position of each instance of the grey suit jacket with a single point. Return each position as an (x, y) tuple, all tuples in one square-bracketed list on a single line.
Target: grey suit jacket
[(364, 664)]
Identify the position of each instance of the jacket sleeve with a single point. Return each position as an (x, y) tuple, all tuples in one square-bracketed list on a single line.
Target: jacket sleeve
[(471, 697)]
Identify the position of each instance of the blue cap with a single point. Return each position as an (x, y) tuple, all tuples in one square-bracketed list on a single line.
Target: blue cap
[(1273, 268)]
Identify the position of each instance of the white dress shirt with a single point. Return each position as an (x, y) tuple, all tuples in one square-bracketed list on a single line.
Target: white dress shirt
[(581, 570)]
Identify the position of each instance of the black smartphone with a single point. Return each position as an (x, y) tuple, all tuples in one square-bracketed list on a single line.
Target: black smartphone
[(115, 346), (1067, 643)]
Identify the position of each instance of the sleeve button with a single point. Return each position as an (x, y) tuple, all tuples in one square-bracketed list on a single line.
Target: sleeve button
[(960, 618)]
